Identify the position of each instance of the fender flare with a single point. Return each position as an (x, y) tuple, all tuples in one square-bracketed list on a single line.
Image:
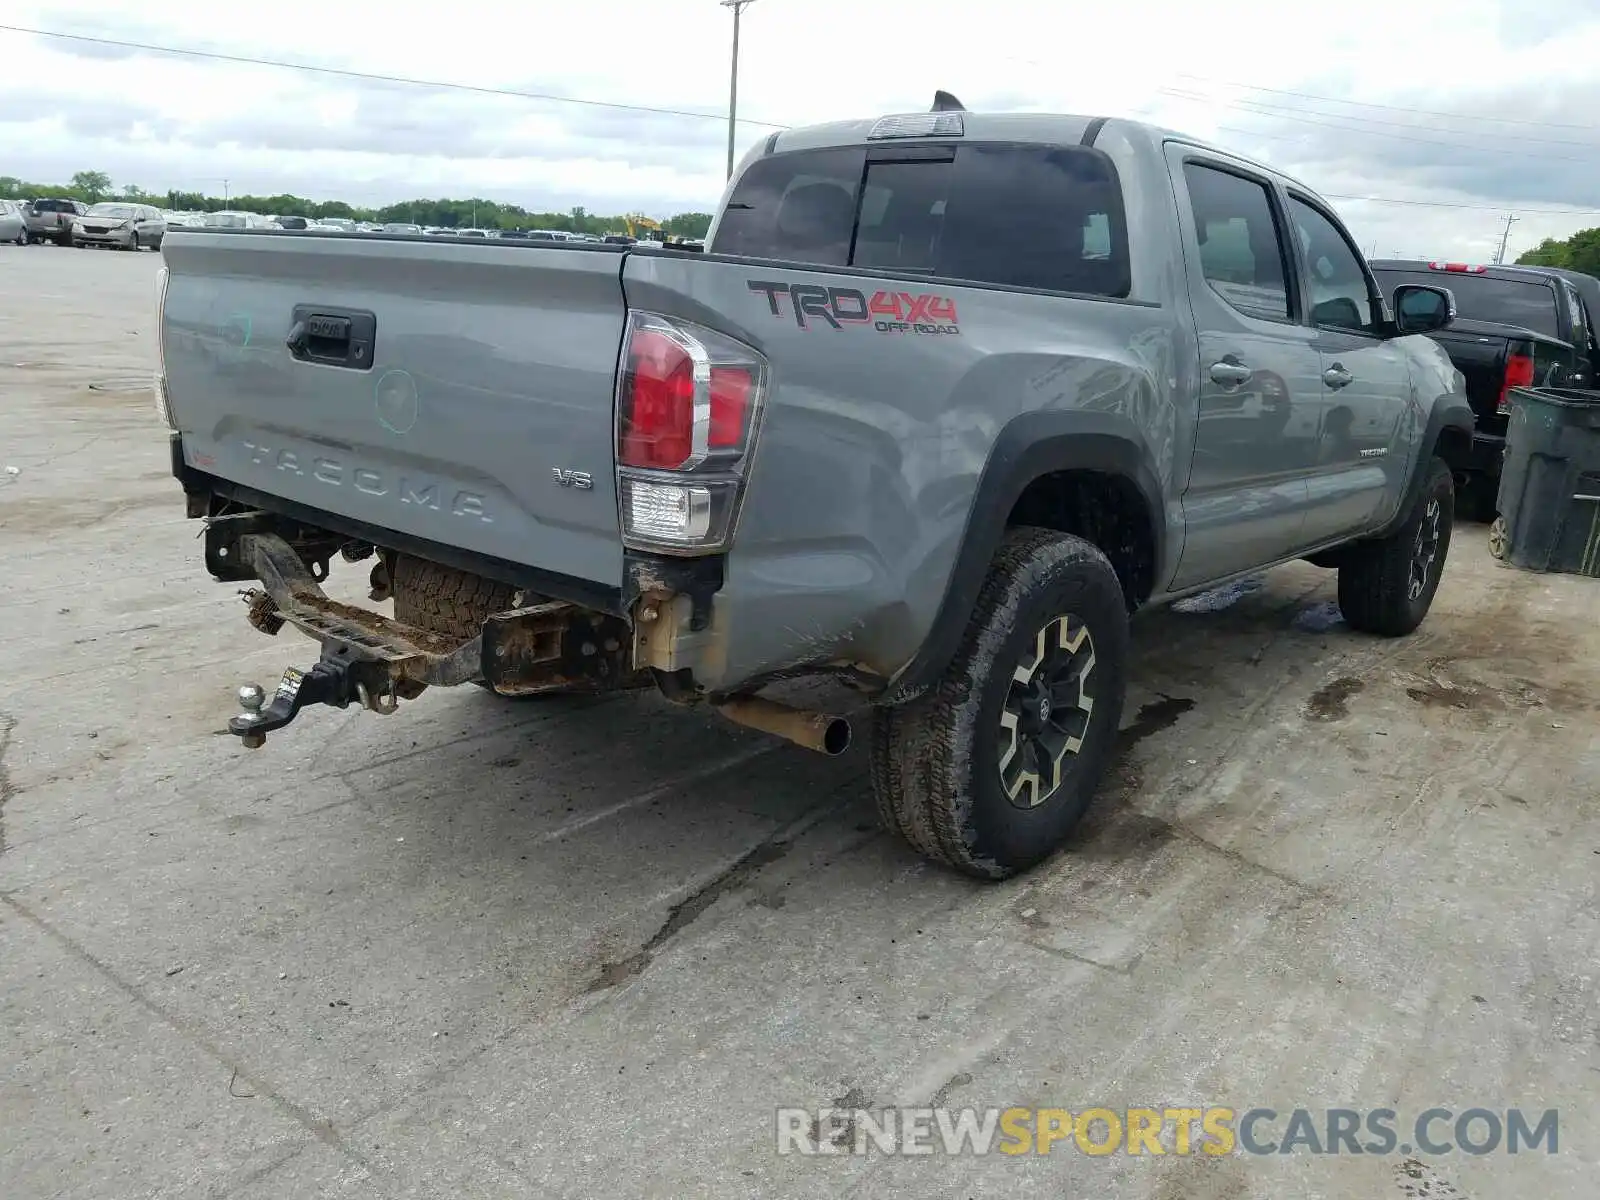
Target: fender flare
[(1450, 411), (1030, 446)]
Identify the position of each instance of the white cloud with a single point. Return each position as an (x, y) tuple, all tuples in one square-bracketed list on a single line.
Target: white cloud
[(172, 122)]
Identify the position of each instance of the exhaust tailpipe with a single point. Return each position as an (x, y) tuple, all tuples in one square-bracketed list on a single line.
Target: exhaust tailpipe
[(821, 732)]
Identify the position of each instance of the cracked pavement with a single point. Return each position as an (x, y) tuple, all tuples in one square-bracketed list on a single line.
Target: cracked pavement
[(586, 947)]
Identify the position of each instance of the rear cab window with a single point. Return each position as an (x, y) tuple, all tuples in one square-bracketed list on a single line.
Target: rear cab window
[(1527, 304), (1023, 216)]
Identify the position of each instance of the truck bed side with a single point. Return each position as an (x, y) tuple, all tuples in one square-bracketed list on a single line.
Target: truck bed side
[(879, 429)]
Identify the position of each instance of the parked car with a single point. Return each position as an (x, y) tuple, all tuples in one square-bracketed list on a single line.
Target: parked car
[(950, 396), (400, 227), (1514, 327), (50, 220), (342, 224), (236, 219), (13, 224), (120, 225)]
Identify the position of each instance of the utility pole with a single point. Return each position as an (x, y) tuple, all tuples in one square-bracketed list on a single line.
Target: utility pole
[(1500, 254), (224, 193), (738, 7)]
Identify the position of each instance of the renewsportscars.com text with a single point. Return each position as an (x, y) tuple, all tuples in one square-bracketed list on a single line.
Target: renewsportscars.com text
[(1160, 1131)]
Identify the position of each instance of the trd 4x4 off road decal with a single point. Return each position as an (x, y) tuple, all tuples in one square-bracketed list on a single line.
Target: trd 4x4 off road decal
[(887, 312)]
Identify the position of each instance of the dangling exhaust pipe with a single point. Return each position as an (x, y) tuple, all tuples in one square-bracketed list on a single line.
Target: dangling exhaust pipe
[(822, 732)]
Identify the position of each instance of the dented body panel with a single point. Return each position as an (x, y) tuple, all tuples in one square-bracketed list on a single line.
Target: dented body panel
[(906, 416)]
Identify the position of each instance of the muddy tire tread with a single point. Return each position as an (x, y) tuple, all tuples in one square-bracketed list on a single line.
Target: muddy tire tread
[(444, 600), (921, 748), (1372, 585)]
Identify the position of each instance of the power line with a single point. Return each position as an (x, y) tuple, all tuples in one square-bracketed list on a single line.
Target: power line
[(1538, 212), (1328, 121), (1291, 110), (374, 77), (1421, 112), (1258, 107)]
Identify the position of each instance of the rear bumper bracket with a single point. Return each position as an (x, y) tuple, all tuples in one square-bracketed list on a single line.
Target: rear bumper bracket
[(400, 653)]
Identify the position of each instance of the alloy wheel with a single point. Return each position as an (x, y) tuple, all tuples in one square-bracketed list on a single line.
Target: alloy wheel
[(1046, 712), (1424, 550)]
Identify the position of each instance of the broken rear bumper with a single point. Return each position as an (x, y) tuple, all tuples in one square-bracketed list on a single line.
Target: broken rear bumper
[(375, 661)]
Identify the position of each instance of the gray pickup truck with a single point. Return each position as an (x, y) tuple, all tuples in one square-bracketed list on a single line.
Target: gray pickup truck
[(948, 397)]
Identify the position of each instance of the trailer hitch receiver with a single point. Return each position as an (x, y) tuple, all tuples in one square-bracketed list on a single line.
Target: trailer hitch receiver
[(329, 682)]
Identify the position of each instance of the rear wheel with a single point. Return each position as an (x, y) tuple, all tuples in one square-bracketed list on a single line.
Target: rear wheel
[(1388, 584), (989, 771)]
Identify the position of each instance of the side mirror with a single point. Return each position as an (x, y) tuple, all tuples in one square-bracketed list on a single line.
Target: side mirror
[(1419, 308)]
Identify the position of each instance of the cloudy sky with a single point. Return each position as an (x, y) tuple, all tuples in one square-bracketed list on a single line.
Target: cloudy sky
[(1426, 123)]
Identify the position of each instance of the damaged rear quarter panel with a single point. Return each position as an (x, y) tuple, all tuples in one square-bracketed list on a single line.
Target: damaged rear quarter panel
[(873, 443)]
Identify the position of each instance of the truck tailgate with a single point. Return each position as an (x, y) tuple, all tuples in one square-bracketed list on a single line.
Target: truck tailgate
[(476, 413)]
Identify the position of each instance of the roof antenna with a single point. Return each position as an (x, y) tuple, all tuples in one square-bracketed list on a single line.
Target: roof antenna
[(945, 102)]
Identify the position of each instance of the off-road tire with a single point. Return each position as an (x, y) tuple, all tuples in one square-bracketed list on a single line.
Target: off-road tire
[(454, 603), (937, 759), (446, 601), (1375, 592)]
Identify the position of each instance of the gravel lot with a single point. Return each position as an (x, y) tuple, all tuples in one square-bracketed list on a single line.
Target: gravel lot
[(586, 948)]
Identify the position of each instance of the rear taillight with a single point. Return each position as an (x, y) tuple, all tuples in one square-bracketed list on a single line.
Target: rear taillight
[(160, 381), (1519, 373), (688, 403)]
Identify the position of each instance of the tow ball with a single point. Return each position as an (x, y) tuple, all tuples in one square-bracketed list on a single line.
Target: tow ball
[(329, 682)]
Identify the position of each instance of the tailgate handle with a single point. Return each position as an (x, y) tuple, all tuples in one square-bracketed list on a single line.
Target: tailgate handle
[(332, 337)]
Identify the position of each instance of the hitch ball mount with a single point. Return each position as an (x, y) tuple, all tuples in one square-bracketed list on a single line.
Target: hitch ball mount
[(329, 682)]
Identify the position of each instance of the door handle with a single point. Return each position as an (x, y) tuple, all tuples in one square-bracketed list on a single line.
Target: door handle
[(1337, 377), (1230, 372), (335, 339)]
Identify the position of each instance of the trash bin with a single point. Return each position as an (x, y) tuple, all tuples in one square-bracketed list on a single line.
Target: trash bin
[(1550, 482)]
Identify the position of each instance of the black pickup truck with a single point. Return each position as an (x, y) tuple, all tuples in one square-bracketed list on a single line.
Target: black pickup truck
[(1514, 327)]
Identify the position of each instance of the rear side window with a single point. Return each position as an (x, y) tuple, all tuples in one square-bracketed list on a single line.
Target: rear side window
[(1241, 246), (1527, 305), (795, 207), (1020, 216)]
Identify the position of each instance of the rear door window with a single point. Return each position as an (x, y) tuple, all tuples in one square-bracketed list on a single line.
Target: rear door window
[(1241, 246), (1020, 216)]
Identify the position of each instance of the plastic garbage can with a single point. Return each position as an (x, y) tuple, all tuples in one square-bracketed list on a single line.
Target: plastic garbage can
[(1549, 497)]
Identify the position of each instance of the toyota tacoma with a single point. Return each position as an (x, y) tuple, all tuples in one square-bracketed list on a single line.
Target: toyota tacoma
[(948, 397)]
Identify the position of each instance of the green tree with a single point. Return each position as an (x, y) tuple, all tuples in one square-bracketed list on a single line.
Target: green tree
[(1583, 252), (447, 212), (689, 225), (1548, 253), (91, 185)]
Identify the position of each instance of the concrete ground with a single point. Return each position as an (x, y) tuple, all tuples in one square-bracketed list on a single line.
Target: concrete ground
[(586, 948)]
